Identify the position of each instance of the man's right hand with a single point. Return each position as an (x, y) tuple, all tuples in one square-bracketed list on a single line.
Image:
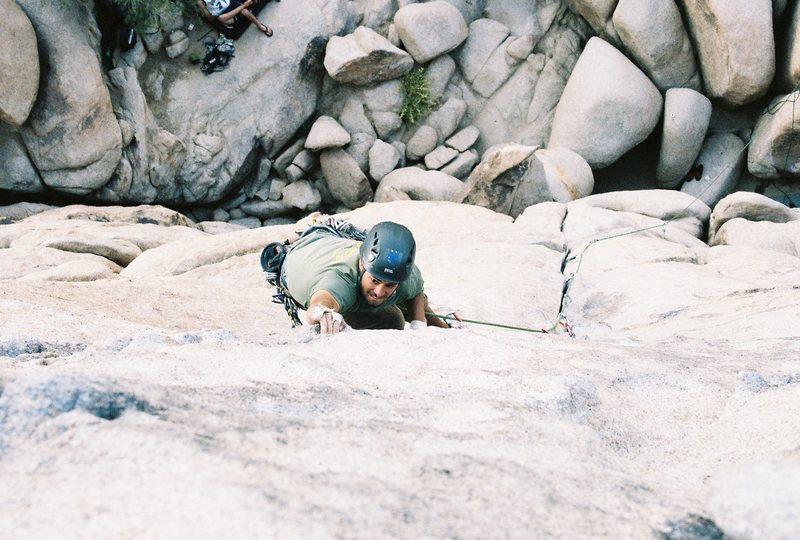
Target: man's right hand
[(330, 322)]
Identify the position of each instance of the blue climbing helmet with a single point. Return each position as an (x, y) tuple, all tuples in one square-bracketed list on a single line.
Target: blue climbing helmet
[(388, 251)]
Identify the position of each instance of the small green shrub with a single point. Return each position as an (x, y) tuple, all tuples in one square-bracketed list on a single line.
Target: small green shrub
[(418, 101), (141, 14)]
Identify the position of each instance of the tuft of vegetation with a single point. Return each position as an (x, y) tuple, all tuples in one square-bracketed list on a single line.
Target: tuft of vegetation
[(141, 14), (418, 101)]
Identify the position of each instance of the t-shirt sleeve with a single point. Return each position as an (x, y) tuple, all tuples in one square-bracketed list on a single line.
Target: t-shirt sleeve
[(412, 286), (342, 290)]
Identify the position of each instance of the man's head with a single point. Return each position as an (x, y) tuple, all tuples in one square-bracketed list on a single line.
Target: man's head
[(386, 258)]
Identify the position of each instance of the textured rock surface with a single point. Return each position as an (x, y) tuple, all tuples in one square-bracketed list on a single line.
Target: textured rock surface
[(534, 435)]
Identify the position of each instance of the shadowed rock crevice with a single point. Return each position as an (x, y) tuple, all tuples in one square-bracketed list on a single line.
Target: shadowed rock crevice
[(28, 402), (691, 527)]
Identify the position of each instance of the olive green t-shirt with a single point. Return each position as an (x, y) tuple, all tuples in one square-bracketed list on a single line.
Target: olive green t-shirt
[(323, 262)]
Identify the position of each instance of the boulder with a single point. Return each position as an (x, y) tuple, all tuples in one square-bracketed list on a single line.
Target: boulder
[(523, 18), (586, 223), (365, 57), (463, 139), (686, 117), (462, 165), (485, 36), (788, 68), (143, 215), (496, 70), (417, 185), (735, 47), (386, 123), (519, 48), (424, 140), (439, 157), (653, 32), (762, 235), (446, 119), (749, 206), (598, 117), (774, 151), (515, 109), (294, 173), (326, 133), (598, 13), (287, 156), (386, 96), (19, 66), (656, 203), (353, 118), (17, 173), (154, 149), (246, 222), (345, 179), (507, 180), (567, 174), (430, 29), (71, 134), (307, 160), (439, 72), (137, 56), (722, 158), (18, 211), (264, 209), (219, 215), (439, 125), (153, 39), (359, 148), (383, 158), (179, 44), (302, 195)]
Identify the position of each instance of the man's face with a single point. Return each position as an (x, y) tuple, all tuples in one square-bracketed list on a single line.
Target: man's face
[(375, 291)]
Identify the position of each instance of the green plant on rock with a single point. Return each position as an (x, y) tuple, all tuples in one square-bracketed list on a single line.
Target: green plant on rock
[(418, 101), (141, 14)]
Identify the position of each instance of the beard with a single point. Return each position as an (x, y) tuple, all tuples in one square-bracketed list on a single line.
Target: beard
[(372, 301)]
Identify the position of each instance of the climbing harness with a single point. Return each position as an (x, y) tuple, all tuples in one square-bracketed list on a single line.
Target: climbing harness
[(274, 253)]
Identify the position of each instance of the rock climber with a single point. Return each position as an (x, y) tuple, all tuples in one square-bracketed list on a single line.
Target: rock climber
[(342, 282)]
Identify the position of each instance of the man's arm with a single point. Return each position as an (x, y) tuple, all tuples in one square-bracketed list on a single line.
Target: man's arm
[(418, 307), (323, 309), (225, 17), (201, 7)]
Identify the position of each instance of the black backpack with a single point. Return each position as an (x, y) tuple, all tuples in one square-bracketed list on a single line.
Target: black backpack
[(218, 56)]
